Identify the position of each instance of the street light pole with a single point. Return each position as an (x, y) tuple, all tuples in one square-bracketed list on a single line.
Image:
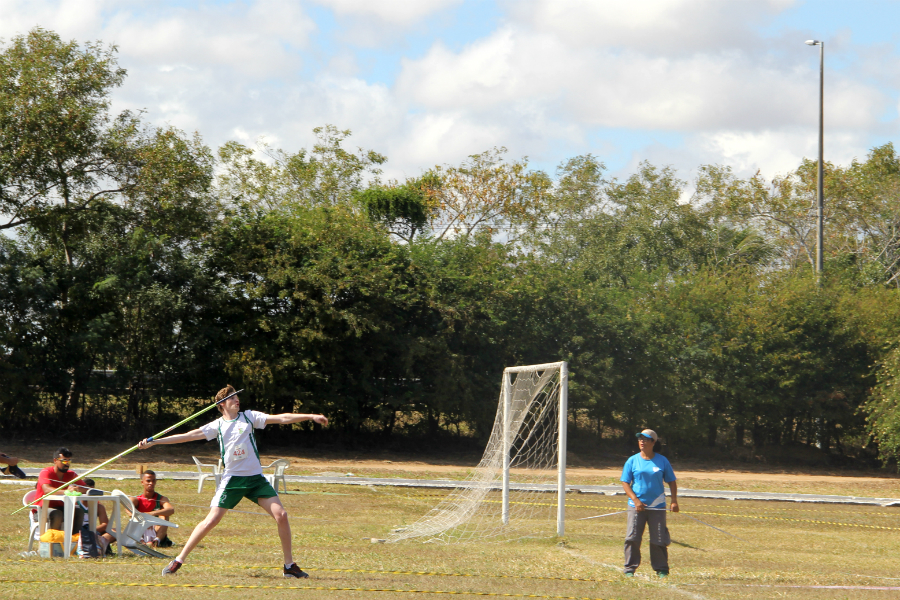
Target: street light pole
[(820, 194)]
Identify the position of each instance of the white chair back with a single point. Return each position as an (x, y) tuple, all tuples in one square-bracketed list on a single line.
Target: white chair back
[(215, 473), (279, 465)]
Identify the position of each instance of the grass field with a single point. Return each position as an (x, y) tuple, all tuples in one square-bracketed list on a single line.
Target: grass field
[(782, 545)]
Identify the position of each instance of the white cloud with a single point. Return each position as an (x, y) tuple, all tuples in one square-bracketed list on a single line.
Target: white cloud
[(628, 89), (438, 138), (258, 40), (669, 26), (257, 43), (550, 77), (770, 151), (395, 12)]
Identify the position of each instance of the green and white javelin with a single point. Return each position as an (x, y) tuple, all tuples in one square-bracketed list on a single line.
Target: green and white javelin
[(133, 448)]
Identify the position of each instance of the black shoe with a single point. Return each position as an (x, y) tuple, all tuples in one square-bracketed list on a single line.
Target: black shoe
[(294, 571), (171, 568), (13, 470), (165, 543)]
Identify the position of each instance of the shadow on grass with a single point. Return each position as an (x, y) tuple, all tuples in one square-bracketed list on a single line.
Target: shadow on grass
[(683, 545)]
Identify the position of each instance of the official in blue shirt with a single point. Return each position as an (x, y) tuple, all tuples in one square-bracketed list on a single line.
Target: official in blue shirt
[(643, 478)]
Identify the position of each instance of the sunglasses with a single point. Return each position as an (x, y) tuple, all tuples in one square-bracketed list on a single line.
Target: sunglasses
[(65, 461)]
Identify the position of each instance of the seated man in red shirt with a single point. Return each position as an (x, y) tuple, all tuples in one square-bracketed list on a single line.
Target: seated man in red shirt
[(51, 478), (152, 503)]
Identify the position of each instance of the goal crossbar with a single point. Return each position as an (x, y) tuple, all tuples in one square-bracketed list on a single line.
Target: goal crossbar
[(544, 367)]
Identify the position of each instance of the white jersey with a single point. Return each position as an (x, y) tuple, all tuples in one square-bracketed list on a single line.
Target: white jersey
[(237, 444)]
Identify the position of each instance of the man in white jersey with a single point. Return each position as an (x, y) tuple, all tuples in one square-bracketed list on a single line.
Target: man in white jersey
[(243, 476)]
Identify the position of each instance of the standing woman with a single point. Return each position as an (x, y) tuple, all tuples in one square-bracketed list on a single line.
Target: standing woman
[(643, 477)]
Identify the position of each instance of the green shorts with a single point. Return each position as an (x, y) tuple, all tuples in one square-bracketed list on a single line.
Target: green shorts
[(234, 488)]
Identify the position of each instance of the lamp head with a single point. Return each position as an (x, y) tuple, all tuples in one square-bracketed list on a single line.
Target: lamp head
[(813, 42)]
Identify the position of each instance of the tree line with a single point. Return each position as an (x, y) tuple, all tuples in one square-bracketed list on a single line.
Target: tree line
[(141, 270)]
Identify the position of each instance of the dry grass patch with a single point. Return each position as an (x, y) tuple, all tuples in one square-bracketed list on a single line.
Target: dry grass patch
[(782, 544)]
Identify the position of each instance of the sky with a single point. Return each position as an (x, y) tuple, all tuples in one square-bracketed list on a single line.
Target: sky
[(425, 82)]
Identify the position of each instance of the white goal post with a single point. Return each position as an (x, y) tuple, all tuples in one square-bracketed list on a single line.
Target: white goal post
[(561, 439), (505, 496)]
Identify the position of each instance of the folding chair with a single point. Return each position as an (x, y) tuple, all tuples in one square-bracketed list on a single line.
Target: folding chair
[(203, 475), (133, 530), (33, 519), (280, 465)]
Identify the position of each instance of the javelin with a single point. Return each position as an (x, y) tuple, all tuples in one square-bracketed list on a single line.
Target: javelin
[(135, 447), (618, 512), (716, 528), (685, 514)]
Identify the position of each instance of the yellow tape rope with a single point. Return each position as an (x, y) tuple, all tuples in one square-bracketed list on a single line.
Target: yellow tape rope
[(369, 571), (742, 516), (788, 505), (287, 587)]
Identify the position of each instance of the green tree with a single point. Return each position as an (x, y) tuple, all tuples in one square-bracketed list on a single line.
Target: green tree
[(326, 175), (318, 312), (866, 230), (487, 194), (403, 210), (61, 151), (75, 181)]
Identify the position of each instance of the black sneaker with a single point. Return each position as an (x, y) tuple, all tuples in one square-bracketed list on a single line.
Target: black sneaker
[(165, 543), (294, 571), (171, 568), (14, 470)]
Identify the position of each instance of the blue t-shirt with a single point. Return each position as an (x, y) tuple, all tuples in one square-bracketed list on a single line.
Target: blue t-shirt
[(647, 477)]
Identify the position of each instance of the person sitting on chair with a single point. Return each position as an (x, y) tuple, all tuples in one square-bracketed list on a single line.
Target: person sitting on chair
[(152, 503), (51, 478), (104, 537)]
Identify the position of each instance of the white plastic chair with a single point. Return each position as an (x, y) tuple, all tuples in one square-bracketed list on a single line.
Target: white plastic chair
[(216, 473), (273, 478), (33, 519), (133, 530)]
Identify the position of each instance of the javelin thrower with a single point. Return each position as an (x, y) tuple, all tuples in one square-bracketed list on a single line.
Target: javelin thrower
[(243, 472)]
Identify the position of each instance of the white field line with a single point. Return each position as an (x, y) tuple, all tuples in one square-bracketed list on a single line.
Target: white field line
[(618, 569)]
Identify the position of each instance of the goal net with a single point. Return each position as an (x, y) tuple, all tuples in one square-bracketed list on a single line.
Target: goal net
[(518, 488)]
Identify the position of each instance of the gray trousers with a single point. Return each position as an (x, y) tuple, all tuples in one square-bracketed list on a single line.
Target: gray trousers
[(659, 539)]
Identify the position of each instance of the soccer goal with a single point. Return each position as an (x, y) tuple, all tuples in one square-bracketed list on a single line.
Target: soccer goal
[(520, 484)]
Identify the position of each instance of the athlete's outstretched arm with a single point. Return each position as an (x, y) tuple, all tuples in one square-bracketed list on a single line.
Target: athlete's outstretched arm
[(288, 418), (190, 436)]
